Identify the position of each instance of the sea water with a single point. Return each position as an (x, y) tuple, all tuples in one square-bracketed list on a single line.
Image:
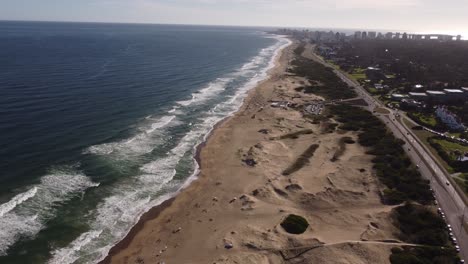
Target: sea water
[(99, 123)]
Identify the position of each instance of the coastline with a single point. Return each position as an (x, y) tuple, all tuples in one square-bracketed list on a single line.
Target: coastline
[(156, 211), (233, 212)]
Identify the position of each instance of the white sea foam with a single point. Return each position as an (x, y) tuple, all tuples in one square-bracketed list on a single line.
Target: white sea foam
[(27, 217), (164, 121), (207, 93), (120, 211), (17, 200), (141, 143)]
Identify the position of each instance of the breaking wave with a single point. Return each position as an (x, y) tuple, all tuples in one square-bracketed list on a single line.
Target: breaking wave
[(26, 214), (156, 180)]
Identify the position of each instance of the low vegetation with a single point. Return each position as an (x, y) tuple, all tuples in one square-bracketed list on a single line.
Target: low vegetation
[(423, 255), (393, 167), (295, 224), (420, 225), (294, 135), (302, 160), (424, 119), (341, 147), (404, 183), (449, 152), (325, 81)]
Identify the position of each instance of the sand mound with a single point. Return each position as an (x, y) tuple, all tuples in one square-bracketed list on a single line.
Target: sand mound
[(345, 254)]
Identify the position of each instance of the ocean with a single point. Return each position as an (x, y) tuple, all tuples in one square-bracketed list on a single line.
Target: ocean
[(99, 123)]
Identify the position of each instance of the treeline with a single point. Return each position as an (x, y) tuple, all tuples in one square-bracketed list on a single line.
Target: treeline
[(324, 80), (419, 225), (414, 61), (423, 255), (394, 169), (404, 183)]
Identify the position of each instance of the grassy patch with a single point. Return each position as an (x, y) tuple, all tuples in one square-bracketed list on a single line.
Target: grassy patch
[(424, 119), (424, 136), (358, 76), (295, 224), (382, 111), (294, 135), (302, 160), (450, 146), (463, 183), (449, 152)]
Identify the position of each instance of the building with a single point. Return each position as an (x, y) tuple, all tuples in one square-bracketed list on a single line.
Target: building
[(399, 97), (364, 35), (405, 35), (465, 91), (372, 34), (437, 96), (449, 119), (357, 34), (419, 96), (389, 35), (375, 74), (410, 103), (397, 35), (378, 86), (458, 37), (454, 95)]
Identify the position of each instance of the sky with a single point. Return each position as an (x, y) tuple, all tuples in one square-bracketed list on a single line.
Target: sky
[(447, 16)]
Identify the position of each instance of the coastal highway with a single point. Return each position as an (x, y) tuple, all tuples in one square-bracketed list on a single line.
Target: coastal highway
[(451, 202)]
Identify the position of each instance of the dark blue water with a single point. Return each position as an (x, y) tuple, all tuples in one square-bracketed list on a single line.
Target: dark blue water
[(98, 123)]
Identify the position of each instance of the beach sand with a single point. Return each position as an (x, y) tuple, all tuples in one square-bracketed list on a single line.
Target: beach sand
[(233, 203)]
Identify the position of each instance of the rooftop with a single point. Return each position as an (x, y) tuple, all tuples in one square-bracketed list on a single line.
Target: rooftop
[(453, 91), (418, 94), (400, 95), (435, 92)]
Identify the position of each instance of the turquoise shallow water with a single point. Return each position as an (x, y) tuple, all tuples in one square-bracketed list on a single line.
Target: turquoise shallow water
[(99, 122)]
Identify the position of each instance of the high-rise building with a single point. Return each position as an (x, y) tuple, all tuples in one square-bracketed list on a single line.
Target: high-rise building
[(357, 34), (405, 36), (389, 35), (397, 35), (372, 34), (458, 37), (364, 34)]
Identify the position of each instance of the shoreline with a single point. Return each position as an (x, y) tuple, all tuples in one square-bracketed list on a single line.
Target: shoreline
[(156, 211), (232, 213)]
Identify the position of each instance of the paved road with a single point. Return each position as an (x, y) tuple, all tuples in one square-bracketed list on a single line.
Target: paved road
[(448, 198)]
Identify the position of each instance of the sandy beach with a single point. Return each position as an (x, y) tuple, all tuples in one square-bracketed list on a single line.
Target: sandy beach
[(242, 194)]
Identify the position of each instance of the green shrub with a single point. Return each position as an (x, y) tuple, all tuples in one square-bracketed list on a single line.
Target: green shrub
[(295, 224), (423, 255)]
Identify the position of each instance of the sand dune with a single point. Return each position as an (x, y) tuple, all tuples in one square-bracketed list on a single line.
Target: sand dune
[(242, 194)]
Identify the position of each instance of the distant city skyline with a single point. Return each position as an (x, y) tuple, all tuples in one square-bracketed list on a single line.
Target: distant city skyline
[(419, 16)]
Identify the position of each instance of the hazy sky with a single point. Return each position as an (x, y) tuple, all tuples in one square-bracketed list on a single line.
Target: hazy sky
[(416, 15)]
